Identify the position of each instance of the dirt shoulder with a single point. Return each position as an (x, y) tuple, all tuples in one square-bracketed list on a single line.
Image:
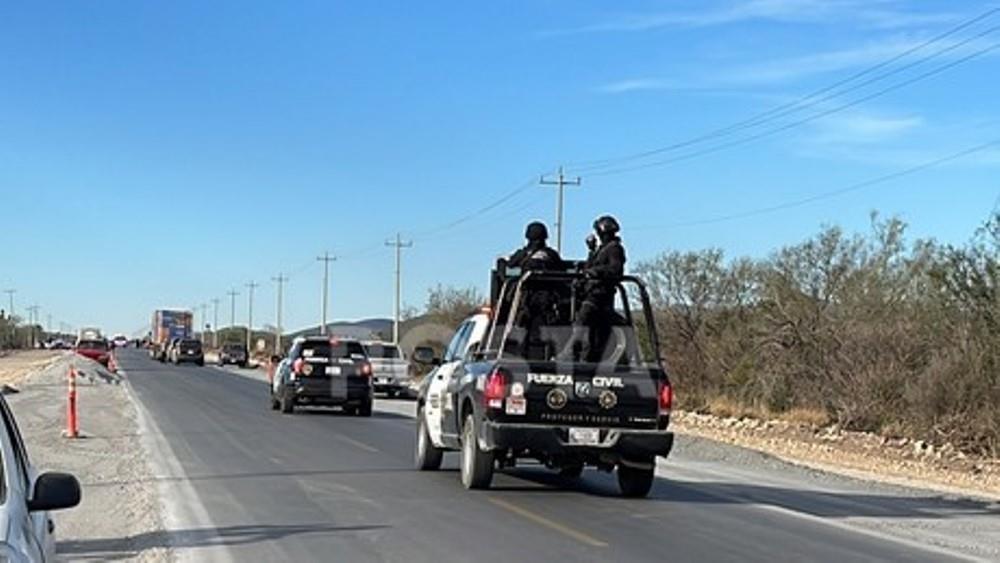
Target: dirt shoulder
[(14, 367), (862, 455), (121, 507)]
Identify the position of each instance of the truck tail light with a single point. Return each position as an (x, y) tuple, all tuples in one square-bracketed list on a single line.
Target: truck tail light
[(496, 388), (666, 396), (366, 369)]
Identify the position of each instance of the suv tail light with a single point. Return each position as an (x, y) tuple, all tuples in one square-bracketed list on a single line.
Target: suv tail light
[(297, 366), (366, 369), (495, 389), (666, 397)]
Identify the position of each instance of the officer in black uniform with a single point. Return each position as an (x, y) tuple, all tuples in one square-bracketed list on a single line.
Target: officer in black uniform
[(536, 254), (602, 272)]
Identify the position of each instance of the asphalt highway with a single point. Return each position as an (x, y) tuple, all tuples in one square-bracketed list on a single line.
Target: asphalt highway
[(244, 483)]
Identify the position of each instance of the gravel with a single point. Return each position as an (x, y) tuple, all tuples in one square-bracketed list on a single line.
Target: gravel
[(120, 515)]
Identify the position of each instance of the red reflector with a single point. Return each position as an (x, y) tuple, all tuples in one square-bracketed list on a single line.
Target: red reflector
[(666, 397), (496, 388)]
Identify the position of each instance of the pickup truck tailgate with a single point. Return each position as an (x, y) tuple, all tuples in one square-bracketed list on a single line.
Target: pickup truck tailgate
[(583, 395)]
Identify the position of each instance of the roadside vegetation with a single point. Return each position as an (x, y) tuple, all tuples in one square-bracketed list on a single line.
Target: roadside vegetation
[(868, 331)]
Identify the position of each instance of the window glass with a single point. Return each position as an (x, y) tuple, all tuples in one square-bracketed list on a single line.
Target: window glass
[(455, 347), (21, 456)]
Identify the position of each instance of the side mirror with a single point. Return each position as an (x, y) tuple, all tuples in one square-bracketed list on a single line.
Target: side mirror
[(55, 491), (425, 355)]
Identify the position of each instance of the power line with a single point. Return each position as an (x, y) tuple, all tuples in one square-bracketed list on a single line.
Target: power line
[(834, 193), (799, 104), (496, 203), (802, 121)]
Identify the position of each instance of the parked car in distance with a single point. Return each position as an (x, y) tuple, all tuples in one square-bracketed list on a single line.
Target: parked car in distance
[(233, 354), (187, 350), (28, 533), (119, 341), (96, 349), (390, 370)]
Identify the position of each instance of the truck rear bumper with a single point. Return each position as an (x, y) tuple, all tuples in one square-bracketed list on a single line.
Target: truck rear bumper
[(553, 441)]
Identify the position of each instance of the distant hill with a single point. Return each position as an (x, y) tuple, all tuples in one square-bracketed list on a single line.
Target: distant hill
[(363, 329)]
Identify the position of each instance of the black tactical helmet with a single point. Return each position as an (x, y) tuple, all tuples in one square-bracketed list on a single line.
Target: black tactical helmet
[(606, 225), (536, 232)]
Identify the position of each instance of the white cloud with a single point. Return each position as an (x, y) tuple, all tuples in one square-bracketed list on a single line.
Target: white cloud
[(875, 13), (862, 128), (788, 70)]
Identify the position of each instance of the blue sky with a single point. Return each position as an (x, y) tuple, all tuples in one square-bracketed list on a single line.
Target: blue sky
[(159, 154)]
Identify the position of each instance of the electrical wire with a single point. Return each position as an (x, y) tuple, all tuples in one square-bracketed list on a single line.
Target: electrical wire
[(831, 194), (801, 103), (803, 121)]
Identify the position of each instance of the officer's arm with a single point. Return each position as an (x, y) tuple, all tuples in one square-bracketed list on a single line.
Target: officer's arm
[(613, 267)]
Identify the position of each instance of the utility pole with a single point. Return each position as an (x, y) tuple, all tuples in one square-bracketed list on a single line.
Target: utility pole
[(10, 312), (215, 323), (251, 286), (204, 319), (32, 316), (560, 182), (232, 293), (399, 245), (280, 280), (325, 259)]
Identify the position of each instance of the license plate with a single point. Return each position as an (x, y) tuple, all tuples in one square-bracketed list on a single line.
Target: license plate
[(516, 406), (333, 370), (584, 436)]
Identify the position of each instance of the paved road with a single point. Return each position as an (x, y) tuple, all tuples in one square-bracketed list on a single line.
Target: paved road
[(246, 483)]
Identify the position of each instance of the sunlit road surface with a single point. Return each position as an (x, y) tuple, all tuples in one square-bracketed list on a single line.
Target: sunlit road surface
[(245, 483)]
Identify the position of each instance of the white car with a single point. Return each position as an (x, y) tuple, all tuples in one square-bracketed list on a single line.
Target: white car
[(391, 370), (27, 533)]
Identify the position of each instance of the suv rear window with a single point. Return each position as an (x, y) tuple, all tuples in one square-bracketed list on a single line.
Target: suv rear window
[(336, 349), (190, 344), (233, 347), (382, 351)]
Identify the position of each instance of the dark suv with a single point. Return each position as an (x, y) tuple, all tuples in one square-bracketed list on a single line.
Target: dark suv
[(235, 354), (320, 371), (187, 350)]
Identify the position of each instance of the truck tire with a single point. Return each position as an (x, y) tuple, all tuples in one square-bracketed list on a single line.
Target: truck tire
[(428, 456), (287, 404), (477, 465), (275, 405), (635, 482)]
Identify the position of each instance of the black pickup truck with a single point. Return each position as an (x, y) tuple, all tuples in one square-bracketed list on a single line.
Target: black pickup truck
[(507, 389)]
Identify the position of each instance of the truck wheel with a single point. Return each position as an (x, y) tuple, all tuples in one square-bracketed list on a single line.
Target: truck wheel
[(428, 456), (365, 409), (634, 482), (477, 465), (287, 404)]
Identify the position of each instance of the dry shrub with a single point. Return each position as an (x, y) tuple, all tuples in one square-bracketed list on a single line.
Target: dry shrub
[(869, 331)]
